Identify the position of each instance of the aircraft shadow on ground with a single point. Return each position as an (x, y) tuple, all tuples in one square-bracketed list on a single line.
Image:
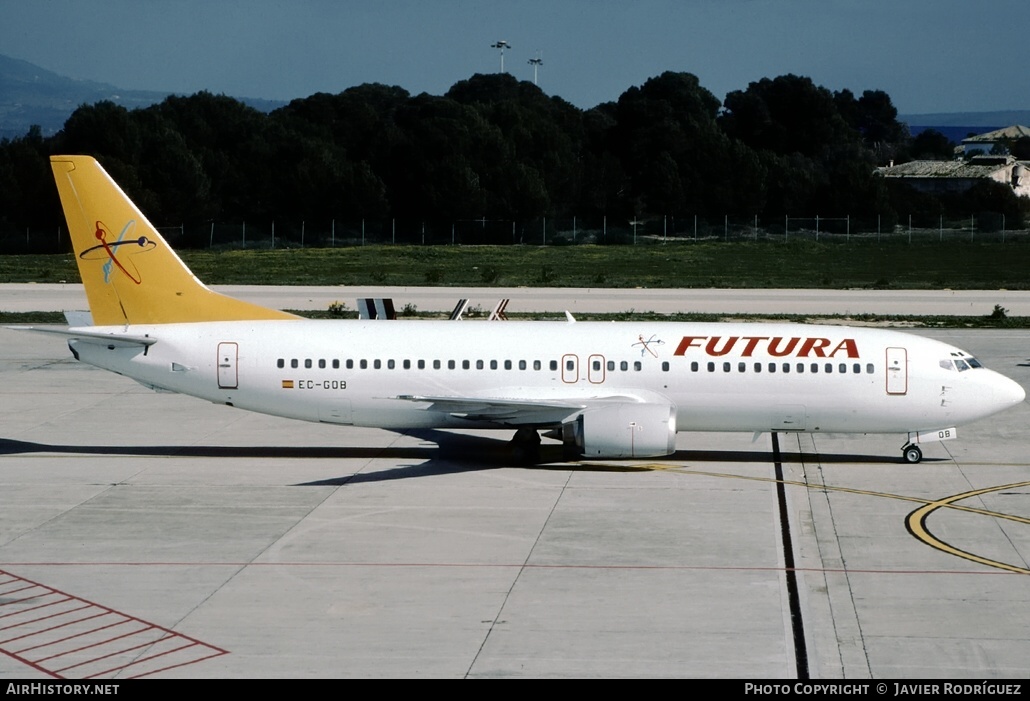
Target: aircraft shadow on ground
[(444, 453), (13, 447)]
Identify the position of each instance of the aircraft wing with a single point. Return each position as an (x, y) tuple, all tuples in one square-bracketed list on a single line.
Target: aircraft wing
[(510, 412), (517, 412), (98, 337)]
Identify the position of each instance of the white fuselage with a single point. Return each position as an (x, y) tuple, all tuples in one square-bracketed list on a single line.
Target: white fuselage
[(716, 377)]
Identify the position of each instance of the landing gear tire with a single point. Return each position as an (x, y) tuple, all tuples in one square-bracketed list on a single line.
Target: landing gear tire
[(525, 446), (911, 454)]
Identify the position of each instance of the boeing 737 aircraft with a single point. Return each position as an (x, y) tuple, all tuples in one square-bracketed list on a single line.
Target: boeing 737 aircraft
[(607, 390)]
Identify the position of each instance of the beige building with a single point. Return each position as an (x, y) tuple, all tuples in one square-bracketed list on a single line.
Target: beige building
[(959, 176)]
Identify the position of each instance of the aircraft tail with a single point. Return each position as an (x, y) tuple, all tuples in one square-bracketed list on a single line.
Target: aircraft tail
[(130, 273)]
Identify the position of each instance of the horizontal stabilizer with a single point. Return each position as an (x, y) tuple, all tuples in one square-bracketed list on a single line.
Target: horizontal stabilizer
[(106, 339)]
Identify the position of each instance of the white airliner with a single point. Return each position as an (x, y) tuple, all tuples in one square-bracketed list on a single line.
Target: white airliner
[(607, 390)]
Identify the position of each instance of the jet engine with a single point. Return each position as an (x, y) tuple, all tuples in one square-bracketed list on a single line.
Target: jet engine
[(623, 430)]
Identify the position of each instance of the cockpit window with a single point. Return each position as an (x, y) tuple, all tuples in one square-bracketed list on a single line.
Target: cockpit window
[(961, 362)]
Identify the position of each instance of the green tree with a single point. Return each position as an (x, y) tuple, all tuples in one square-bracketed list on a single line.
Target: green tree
[(874, 117), (788, 114), (932, 145), (667, 139), (1021, 148), (27, 193), (545, 135)]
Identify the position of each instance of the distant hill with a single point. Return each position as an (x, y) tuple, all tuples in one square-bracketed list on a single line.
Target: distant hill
[(971, 119), (958, 125), (33, 95)]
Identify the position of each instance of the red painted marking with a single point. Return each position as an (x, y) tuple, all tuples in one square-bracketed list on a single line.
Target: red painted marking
[(79, 635), (36, 608), (64, 637), (115, 653), (101, 235)]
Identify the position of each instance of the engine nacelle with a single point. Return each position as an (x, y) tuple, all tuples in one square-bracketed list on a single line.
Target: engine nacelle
[(623, 430)]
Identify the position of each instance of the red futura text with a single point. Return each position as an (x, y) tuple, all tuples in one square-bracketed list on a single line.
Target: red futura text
[(775, 346)]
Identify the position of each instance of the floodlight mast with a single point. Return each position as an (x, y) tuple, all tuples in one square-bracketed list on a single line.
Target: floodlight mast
[(502, 45), (535, 63)]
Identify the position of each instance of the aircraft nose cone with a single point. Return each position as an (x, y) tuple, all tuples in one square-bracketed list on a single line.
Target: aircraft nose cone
[(1010, 392), (1004, 393)]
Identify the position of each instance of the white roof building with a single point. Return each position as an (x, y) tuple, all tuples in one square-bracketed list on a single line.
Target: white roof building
[(986, 142)]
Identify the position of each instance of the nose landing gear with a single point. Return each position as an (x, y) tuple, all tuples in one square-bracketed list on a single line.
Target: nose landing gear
[(911, 453)]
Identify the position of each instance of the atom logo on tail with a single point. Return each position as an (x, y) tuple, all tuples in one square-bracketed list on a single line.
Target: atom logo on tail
[(107, 250)]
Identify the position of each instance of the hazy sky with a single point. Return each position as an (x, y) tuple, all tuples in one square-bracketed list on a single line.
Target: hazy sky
[(929, 55)]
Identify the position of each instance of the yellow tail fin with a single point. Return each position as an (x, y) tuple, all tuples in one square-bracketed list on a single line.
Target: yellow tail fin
[(130, 274)]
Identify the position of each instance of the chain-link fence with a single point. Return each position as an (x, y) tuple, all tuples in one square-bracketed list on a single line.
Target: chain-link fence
[(982, 227)]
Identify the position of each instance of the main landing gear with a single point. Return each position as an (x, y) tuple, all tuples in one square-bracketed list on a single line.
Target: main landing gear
[(911, 453), (525, 446)]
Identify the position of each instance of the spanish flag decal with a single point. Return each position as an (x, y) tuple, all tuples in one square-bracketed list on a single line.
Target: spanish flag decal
[(287, 384)]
